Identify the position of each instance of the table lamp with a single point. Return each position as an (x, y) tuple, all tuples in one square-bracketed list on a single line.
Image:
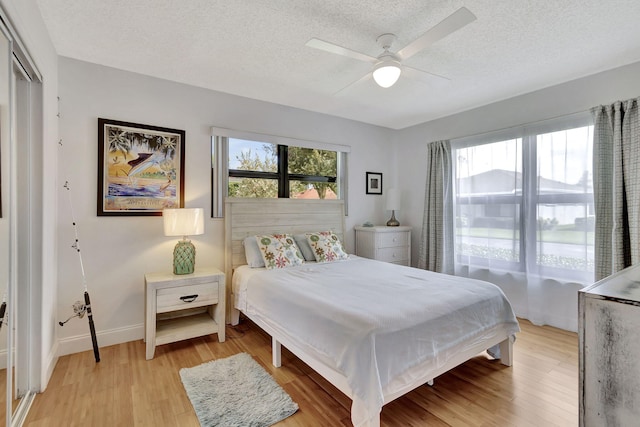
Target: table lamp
[(183, 222), (393, 204)]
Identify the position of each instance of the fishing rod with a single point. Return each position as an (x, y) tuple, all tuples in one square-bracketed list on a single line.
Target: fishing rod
[(3, 309), (80, 308)]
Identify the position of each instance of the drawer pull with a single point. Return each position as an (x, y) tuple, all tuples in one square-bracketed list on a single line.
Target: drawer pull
[(189, 298)]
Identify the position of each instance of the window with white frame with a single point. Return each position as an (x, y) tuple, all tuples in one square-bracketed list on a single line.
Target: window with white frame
[(524, 200), (264, 166)]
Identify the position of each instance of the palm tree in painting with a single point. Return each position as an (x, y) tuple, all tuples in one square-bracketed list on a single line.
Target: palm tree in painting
[(141, 151), (156, 143), (119, 141), (124, 141)]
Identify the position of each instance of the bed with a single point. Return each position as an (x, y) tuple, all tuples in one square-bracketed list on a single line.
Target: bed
[(374, 330)]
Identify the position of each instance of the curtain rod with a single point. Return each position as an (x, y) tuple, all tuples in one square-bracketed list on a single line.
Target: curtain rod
[(579, 115)]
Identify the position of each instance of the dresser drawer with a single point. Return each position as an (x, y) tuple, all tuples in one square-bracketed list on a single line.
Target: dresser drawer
[(187, 296), (389, 240), (398, 255)]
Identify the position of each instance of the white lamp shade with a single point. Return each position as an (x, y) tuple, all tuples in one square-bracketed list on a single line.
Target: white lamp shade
[(183, 222), (386, 73), (393, 199)]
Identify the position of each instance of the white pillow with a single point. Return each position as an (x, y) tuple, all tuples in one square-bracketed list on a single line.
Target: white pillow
[(252, 252), (305, 248)]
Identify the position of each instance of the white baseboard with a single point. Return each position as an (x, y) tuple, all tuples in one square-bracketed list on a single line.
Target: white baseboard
[(49, 365), (79, 343)]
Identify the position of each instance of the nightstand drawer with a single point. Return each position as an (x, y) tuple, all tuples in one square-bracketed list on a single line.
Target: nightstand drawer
[(395, 255), (188, 296), (389, 240)]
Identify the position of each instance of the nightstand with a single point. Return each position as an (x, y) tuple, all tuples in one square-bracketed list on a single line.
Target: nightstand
[(179, 307), (389, 244)]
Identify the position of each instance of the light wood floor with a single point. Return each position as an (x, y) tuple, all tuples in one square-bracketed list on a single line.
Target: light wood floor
[(124, 389)]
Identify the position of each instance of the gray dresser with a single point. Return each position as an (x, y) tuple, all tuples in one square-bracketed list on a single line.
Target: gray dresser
[(609, 340)]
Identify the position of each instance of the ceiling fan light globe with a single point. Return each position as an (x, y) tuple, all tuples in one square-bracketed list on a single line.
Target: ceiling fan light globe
[(386, 74)]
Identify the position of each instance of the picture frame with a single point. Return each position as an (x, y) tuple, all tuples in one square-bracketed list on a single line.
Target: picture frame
[(140, 168), (374, 183)]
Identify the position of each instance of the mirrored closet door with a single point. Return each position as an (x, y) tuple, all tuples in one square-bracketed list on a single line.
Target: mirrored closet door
[(20, 220), (5, 212)]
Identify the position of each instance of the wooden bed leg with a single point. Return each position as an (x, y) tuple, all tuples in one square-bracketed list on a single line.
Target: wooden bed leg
[(276, 352), (506, 352), (235, 316)]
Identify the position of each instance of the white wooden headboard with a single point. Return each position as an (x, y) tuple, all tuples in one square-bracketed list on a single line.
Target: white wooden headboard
[(247, 217)]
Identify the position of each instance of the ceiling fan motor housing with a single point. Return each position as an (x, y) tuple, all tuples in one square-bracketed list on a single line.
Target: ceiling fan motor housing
[(386, 40), (387, 70)]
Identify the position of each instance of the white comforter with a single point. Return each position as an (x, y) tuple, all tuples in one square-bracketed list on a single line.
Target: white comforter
[(374, 321)]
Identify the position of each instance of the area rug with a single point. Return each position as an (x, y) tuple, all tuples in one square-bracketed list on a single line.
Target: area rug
[(236, 392)]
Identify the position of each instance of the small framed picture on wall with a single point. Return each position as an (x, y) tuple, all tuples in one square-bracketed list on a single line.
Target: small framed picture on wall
[(374, 183)]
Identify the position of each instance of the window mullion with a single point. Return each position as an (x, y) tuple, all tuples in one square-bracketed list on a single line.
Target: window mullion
[(528, 224), (311, 178), (283, 171)]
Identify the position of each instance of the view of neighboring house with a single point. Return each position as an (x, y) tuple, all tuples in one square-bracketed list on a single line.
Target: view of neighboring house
[(503, 185)]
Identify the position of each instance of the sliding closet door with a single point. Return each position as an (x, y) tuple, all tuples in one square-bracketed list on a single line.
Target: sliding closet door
[(20, 221), (5, 223), (28, 179)]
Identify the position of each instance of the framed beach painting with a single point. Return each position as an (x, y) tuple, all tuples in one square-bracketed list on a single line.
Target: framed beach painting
[(140, 168)]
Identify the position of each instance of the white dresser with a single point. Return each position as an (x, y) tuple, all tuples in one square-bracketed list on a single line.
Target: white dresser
[(390, 244), (609, 334)]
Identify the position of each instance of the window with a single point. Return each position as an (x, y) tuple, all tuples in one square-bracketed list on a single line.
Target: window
[(264, 166), (258, 169), (526, 203), (253, 169)]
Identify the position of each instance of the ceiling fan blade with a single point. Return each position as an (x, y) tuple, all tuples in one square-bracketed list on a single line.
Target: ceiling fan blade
[(414, 72), (355, 83), (339, 50), (422, 75), (450, 24)]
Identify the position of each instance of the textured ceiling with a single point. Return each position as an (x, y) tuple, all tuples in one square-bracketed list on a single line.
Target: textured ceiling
[(256, 48)]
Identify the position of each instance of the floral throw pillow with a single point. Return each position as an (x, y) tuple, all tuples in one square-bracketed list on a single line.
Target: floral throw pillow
[(326, 246), (279, 251)]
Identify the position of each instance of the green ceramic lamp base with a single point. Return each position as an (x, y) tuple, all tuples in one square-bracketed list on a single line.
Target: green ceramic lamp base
[(184, 257)]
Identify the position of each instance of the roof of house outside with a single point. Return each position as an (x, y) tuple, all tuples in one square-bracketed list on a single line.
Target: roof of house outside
[(500, 181), (312, 193)]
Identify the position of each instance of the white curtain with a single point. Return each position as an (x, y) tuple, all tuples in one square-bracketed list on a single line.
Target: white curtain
[(436, 245), (617, 186), (523, 209)]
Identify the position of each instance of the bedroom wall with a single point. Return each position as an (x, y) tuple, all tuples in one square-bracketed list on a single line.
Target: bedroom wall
[(117, 251), (571, 97), (25, 18)]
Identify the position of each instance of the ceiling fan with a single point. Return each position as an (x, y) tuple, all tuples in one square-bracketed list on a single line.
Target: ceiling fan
[(388, 66)]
